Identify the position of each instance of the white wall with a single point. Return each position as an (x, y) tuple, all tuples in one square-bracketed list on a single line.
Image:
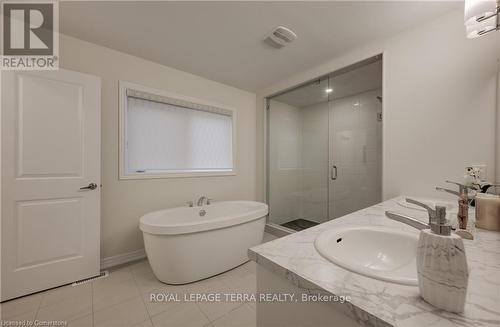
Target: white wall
[(124, 201), (439, 104)]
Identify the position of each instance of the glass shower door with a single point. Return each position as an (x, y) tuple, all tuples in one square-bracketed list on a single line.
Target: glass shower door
[(355, 146)]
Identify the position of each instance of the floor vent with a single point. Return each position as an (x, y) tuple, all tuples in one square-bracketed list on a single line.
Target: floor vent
[(103, 274)]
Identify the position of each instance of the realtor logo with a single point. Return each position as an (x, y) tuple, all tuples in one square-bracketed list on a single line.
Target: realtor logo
[(30, 37)]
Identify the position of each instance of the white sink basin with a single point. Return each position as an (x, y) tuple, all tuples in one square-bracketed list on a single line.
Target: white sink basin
[(382, 253)]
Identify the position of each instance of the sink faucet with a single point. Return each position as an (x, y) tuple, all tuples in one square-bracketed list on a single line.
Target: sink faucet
[(203, 199), (407, 220), (463, 202), (437, 218), (442, 189)]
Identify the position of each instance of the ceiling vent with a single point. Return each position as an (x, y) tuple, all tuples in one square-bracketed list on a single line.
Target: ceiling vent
[(280, 37)]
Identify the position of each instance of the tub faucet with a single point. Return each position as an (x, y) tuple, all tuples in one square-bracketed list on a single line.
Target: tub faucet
[(437, 218), (201, 200)]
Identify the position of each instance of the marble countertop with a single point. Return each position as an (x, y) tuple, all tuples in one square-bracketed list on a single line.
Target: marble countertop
[(378, 303)]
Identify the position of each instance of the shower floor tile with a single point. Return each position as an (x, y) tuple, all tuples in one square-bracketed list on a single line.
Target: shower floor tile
[(299, 224)]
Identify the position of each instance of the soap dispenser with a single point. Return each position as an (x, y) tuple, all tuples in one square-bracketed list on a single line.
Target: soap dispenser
[(442, 265)]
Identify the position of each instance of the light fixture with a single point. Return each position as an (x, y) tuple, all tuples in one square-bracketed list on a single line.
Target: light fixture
[(481, 17), (329, 90)]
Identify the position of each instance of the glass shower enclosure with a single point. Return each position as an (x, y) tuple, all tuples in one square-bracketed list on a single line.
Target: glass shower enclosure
[(324, 147)]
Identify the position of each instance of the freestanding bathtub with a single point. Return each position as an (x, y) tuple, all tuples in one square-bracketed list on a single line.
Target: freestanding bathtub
[(184, 246)]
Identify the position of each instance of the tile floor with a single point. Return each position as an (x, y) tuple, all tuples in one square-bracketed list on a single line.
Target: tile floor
[(123, 299)]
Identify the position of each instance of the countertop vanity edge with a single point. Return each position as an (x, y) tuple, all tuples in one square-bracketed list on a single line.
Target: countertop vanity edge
[(375, 302)]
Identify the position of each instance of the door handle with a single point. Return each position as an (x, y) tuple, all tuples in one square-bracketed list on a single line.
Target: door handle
[(333, 172), (91, 186)]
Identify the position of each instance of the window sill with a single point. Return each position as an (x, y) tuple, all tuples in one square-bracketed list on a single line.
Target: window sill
[(180, 174)]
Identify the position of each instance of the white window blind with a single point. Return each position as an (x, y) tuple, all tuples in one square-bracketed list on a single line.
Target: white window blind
[(165, 135)]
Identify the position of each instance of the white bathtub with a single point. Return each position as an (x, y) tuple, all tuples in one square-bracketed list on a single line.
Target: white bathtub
[(183, 247)]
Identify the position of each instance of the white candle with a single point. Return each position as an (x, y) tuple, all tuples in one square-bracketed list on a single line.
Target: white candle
[(488, 211)]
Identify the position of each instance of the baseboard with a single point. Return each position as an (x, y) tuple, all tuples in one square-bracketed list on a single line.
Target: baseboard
[(120, 259)]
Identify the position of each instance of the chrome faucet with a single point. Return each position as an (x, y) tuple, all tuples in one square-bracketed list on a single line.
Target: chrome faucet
[(442, 189), (407, 220), (203, 199), (437, 219)]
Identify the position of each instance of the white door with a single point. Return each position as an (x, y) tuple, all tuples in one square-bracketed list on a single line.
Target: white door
[(50, 138)]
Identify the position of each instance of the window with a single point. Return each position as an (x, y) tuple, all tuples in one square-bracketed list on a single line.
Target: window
[(165, 135)]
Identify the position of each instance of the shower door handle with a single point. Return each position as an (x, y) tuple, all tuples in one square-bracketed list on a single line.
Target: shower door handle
[(333, 172)]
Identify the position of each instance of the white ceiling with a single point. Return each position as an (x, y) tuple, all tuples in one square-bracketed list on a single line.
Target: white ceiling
[(223, 41), (361, 79)]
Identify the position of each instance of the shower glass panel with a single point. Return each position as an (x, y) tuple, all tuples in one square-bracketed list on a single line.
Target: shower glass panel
[(298, 156), (324, 147)]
